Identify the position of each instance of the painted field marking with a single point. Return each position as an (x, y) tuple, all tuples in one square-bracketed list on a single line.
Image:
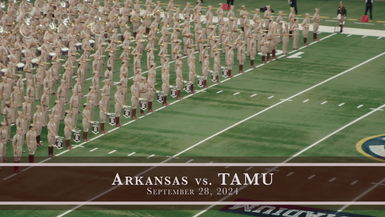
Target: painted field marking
[(249, 168), (296, 55), (324, 102), (94, 149), (189, 161), (311, 177), (377, 109), (371, 24), (234, 94), (253, 95), (150, 156), (220, 91), (306, 100), (361, 195), (379, 37), (360, 106), (289, 100), (332, 179), (364, 36), (270, 97), (354, 182), (375, 183), (341, 104), (111, 152), (131, 154), (291, 173), (349, 35)]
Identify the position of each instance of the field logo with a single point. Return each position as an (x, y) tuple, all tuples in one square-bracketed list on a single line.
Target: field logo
[(373, 147), (285, 211)]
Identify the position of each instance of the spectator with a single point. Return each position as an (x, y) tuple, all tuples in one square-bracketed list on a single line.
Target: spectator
[(341, 15), (293, 4), (230, 2), (369, 7)]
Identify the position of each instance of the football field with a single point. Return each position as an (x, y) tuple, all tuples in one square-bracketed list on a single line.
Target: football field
[(315, 102)]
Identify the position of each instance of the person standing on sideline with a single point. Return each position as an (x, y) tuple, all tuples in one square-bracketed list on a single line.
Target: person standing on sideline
[(341, 15), (369, 7), (293, 4)]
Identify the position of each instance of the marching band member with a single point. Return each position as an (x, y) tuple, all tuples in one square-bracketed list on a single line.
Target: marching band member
[(31, 143), (316, 20), (69, 125), (305, 28)]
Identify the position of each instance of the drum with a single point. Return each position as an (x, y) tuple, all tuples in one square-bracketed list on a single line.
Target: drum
[(173, 91), (78, 46), (20, 67), (143, 104), (35, 62), (59, 142), (214, 77), (51, 55), (38, 51), (187, 86), (159, 96), (126, 111), (3, 71), (92, 43), (224, 72), (76, 135), (64, 51), (111, 119), (200, 82), (95, 127)]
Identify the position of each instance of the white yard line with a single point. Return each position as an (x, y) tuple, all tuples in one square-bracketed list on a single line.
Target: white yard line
[(361, 195), (150, 156), (270, 97), (131, 154), (324, 102), (253, 95), (306, 100), (220, 91), (111, 152), (234, 94), (360, 106), (94, 149), (341, 104), (311, 177)]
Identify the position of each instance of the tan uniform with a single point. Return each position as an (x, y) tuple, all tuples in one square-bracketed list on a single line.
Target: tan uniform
[(103, 109), (191, 66), (285, 39), (52, 133), (316, 21), (165, 81), (179, 76), (86, 122), (295, 31), (134, 99), (4, 136), (151, 83), (17, 144), (69, 125), (31, 143), (119, 103)]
